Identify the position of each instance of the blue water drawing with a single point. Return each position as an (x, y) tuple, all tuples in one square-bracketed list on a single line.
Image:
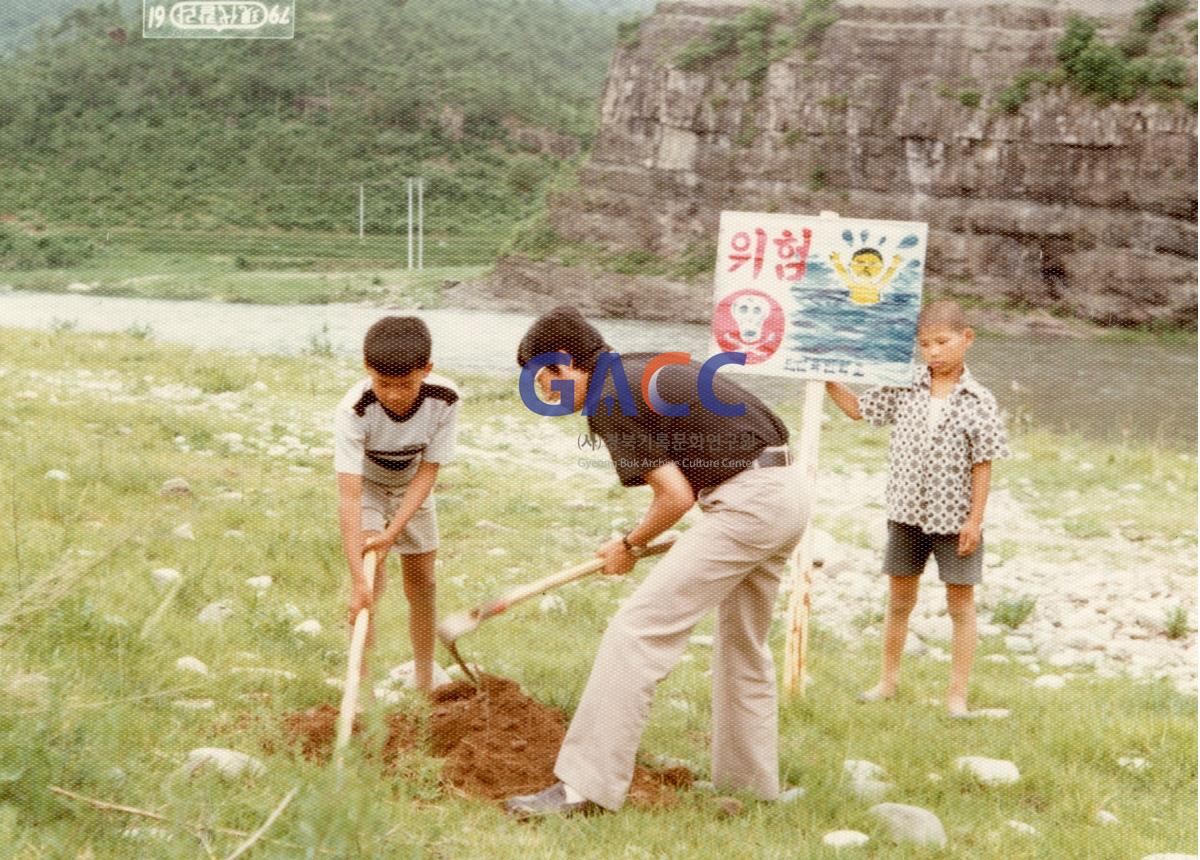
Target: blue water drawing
[(827, 325)]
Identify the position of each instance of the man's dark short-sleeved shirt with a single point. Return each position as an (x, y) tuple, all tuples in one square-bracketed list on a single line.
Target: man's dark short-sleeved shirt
[(708, 448)]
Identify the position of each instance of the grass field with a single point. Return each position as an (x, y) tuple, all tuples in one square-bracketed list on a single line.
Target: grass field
[(279, 267), (89, 692)]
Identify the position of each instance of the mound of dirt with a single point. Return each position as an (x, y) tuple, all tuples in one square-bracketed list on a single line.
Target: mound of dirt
[(496, 742)]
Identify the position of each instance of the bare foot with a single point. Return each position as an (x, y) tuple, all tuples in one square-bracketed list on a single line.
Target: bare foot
[(957, 707), (880, 692)]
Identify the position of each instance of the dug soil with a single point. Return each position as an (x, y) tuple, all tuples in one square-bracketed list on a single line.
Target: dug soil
[(495, 740)]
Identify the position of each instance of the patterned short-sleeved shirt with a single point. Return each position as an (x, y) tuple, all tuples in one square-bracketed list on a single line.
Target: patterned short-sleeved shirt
[(929, 474)]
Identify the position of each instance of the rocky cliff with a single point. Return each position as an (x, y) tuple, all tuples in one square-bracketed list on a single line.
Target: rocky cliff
[(1063, 204)]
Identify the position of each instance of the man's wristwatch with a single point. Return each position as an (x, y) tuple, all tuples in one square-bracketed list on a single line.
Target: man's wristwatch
[(633, 549)]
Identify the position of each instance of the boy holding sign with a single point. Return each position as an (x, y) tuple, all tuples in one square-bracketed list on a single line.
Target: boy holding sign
[(947, 430)]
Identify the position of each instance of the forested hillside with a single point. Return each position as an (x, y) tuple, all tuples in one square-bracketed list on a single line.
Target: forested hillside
[(485, 98)]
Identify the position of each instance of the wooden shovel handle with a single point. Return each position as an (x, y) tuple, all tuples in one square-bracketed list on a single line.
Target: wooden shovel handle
[(520, 593), (358, 644)]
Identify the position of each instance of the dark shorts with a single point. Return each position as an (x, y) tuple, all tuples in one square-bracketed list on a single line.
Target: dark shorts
[(909, 548)]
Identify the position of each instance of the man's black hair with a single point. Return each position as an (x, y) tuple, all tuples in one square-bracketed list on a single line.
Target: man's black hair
[(396, 346), (878, 256), (563, 329)]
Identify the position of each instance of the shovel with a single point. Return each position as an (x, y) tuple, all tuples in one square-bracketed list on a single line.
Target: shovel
[(358, 643), (452, 627)]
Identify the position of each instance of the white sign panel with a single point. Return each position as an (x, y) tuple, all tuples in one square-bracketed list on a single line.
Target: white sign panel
[(218, 19), (819, 298)]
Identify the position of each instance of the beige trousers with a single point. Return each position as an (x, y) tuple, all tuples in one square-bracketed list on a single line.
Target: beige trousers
[(731, 560)]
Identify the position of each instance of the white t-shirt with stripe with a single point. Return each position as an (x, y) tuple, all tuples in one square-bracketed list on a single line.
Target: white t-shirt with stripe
[(386, 448)]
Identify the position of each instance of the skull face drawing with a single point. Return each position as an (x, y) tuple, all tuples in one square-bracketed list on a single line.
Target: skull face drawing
[(749, 321), (750, 313)]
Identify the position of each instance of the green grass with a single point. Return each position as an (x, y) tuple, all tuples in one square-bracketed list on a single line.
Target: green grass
[(260, 269), (102, 723), (1012, 613)]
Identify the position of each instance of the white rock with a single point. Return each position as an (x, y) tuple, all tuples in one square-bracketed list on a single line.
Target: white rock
[(1133, 763), (184, 532), (989, 771), (490, 526), (456, 671), (165, 577), (292, 612), (229, 763), (387, 695), (1050, 682), (1022, 827), (866, 779), (701, 640), (405, 675), (552, 603), (195, 704), (28, 685), (935, 627), (311, 627), (191, 664), (992, 713), (666, 761), (992, 559), (791, 795), (997, 658), (144, 833), (1103, 816), (1019, 644), (215, 612), (260, 583), (911, 823), (57, 475), (845, 839), (497, 551), (913, 646), (79, 287), (175, 487), (234, 533), (263, 671), (1065, 658), (824, 547)]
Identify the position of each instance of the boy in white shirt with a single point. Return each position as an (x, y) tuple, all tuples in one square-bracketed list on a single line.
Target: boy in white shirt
[(391, 433)]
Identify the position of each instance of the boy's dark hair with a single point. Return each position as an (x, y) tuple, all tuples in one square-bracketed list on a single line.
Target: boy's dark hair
[(563, 329), (868, 252), (396, 346), (943, 312)]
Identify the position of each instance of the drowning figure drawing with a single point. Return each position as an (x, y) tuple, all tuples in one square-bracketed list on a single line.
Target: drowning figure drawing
[(863, 278)]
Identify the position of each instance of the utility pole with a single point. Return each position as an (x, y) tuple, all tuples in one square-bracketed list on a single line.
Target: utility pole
[(410, 222), (421, 222), (362, 210)]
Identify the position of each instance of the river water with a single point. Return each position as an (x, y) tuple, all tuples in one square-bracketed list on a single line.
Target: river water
[(1109, 391)]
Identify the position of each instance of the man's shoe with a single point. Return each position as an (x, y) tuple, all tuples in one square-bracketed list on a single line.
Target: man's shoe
[(549, 801)]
